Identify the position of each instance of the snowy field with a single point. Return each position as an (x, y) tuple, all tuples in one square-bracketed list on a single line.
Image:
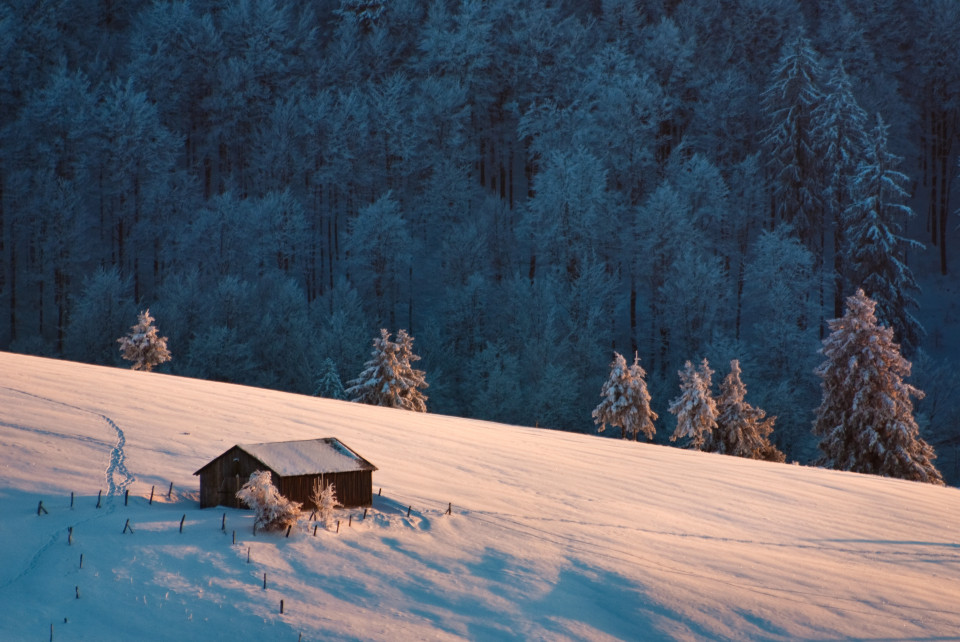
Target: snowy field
[(553, 536)]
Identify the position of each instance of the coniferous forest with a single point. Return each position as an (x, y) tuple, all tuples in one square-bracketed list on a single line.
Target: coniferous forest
[(525, 187)]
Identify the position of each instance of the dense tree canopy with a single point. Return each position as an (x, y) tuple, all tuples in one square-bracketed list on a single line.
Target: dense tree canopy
[(525, 186)]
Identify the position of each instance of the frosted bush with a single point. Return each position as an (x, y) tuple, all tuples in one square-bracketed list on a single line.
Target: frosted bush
[(273, 510), (325, 501)]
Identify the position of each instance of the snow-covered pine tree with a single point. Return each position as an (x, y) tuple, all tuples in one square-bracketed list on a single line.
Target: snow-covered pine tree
[(143, 346), (389, 378), (876, 250), (328, 383), (742, 430), (790, 103), (841, 129), (865, 421), (695, 408), (626, 401), (272, 510)]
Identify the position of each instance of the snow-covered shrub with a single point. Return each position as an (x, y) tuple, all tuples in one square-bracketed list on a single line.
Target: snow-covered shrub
[(325, 501), (273, 510)]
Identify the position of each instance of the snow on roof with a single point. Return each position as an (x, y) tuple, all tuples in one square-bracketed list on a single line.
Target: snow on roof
[(307, 457)]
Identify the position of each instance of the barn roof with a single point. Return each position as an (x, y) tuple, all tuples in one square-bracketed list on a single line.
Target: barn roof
[(306, 457)]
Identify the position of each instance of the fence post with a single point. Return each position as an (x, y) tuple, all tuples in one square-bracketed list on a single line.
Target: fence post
[(71, 500), (181, 522), (151, 495), (99, 495), (69, 535), (126, 496), (41, 508), (223, 523), (170, 492)]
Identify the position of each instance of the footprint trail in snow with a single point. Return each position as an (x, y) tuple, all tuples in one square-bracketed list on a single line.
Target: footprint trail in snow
[(118, 463), (118, 477)]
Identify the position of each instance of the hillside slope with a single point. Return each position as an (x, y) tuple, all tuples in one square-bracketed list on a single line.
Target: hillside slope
[(553, 535)]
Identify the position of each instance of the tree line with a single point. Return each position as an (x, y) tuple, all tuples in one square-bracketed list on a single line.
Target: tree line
[(525, 186), (865, 420)]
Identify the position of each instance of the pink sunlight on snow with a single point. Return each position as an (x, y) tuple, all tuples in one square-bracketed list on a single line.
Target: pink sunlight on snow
[(552, 535)]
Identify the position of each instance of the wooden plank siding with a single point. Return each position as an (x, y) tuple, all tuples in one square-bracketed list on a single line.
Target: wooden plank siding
[(221, 478), (353, 489)]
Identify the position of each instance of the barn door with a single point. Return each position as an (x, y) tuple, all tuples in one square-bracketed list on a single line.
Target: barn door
[(229, 486)]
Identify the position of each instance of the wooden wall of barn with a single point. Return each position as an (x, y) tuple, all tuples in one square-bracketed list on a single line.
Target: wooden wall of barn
[(354, 488), (222, 478)]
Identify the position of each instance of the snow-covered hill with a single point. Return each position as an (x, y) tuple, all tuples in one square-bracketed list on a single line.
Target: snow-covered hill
[(553, 535)]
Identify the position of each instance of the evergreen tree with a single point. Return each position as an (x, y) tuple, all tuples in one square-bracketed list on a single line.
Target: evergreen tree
[(695, 408), (143, 346), (494, 375), (389, 379), (841, 130), (877, 251), (865, 420), (626, 401), (790, 103), (379, 253), (781, 330), (99, 313), (742, 430), (329, 384)]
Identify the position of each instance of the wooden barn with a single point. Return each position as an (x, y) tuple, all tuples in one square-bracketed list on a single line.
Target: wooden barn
[(294, 465)]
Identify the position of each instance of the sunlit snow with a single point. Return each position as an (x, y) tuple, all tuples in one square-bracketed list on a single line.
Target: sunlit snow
[(551, 535)]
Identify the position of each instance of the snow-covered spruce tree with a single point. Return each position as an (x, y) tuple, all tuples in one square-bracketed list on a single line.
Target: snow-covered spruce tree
[(388, 378), (841, 128), (325, 501), (328, 383), (626, 401), (865, 421), (143, 346), (272, 510), (742, 430), (790, 103), (876, 250), (695, 408)]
